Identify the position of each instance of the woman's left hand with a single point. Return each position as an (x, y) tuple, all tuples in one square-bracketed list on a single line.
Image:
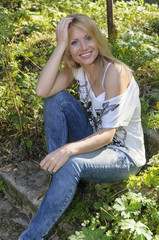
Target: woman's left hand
[(55, 160)]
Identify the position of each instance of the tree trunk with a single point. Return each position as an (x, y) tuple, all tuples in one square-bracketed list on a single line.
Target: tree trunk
[(112, 32)]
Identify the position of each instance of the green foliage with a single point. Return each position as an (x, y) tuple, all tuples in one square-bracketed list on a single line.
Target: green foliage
[(28, 39), (130, 215), (121, 211), (138, 46), (81, 207), (2, 188), (128, 210)]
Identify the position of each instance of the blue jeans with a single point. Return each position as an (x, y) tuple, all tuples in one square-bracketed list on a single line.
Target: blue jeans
[(66, 120)]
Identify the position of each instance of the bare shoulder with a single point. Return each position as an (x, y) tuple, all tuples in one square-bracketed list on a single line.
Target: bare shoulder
[(117, 80), (118, 73)]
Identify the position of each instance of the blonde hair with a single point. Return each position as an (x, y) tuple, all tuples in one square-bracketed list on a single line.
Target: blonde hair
[(88, 25)]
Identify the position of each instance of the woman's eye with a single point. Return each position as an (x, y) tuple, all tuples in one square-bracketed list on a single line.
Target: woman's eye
[(88, 38), (74, 43)]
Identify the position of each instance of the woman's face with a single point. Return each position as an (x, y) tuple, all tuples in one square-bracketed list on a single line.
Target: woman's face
[(82, 47)]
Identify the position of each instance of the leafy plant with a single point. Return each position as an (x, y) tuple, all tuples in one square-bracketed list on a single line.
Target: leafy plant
[(28, 39), (127, 210), (2, 188), (130, 215)]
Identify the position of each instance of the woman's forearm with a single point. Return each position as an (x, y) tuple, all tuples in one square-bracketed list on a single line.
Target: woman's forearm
[(49, 73), (92, 142), (56, 159)]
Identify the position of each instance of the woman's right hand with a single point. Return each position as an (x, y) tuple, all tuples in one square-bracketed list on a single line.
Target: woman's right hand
[(62, 31)]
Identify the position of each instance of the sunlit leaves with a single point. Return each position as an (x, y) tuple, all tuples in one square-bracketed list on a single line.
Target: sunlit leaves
[(132, 215), (139, 229)]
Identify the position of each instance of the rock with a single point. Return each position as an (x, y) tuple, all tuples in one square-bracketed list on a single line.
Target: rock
[(12, 220), (26, 183), (151, 143)]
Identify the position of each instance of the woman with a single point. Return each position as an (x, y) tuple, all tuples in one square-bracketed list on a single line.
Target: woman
[(98, 139)]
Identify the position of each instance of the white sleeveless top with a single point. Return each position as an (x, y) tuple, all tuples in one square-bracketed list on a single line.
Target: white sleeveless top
[(122, 112)]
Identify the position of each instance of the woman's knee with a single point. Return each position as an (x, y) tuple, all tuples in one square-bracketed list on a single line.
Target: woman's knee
[(58, 99), (53, 99)]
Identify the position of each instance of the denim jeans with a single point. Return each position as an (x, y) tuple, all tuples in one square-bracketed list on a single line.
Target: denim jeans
[(66, 120)]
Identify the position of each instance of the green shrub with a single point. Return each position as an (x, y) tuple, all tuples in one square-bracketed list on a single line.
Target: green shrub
[(28, 39), (130, 215)]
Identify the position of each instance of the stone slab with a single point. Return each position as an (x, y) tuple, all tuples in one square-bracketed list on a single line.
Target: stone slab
[(151, 142), (12, 220), (26, 183)]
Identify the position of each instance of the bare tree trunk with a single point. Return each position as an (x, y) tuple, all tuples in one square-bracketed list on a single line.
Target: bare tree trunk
[(112, 32)]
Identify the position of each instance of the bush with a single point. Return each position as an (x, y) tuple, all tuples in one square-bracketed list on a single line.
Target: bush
[(28, 39), (130, 215)]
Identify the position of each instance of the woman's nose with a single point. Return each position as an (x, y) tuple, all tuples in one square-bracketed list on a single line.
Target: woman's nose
[(83, 45)]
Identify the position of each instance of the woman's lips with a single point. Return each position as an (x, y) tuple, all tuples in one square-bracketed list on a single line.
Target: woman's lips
[(85, 55)]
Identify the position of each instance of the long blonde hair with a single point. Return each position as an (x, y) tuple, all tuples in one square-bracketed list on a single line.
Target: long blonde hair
[(88, 25)]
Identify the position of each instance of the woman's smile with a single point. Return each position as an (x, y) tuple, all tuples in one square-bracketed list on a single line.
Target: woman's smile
[(86, 55)]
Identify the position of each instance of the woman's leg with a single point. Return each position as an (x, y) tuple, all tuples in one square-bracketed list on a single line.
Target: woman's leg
[(103, 165), (64, 119)]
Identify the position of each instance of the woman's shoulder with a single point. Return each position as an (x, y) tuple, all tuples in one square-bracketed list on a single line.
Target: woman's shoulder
[(118, 69), (117, 80)]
